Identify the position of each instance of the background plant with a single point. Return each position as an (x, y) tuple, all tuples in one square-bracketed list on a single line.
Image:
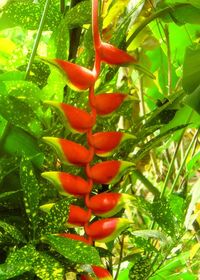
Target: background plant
[(162, 112)]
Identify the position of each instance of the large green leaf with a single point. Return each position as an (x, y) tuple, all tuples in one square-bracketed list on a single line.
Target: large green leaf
[(183, 15), (17, 142), (73, 250), (30, 189), (193, 100), (19, 113), (151, 234), (191, 69), (27, 13)]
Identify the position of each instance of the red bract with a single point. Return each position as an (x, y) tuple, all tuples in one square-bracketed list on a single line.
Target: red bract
[(106, 230), (106, 142), (112, 55), (107, 204), (106, 103), (69, 151), (108, 172), (80, 78), (68, 184), (76, 120), (78, 216), (75, 237), (99, 272)]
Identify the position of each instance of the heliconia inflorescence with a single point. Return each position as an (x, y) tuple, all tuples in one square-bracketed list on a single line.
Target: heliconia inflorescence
[(102, 144)]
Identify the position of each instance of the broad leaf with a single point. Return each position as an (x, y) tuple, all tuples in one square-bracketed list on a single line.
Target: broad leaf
[(151, 234), (27, 13), (73, 250), (191, 69), (17, 142), (19, 113)]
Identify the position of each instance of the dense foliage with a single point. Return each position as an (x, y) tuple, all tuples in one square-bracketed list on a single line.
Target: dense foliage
[(161, 113)]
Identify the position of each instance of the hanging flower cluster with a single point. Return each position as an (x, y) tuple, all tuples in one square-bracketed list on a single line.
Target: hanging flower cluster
[(102, 144)]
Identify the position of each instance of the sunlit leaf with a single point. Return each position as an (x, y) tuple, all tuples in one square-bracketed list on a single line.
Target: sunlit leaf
[(74, 250), (17, 142), (191, 69), (27, 13)]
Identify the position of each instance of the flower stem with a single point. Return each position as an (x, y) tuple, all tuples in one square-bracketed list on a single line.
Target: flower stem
[(184, 160), (37, 39)]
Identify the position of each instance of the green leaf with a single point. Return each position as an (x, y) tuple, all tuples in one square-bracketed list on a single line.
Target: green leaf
[(48, 268), (12, 76), (151, 234), (7, 165), (10, 199), (19, 113), (178, 206), (78, 15), (56, 82), (30, 189), (183, 15), (74, 250), (27, 14), (193, 100), (162, 214), (195, 198), (18, 262), (191, 69), (12, 232), (57, 216), (28, 259), (17, 142)]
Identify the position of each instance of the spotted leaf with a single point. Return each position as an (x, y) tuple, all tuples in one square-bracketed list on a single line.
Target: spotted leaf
[(73, 250), (30, 189)]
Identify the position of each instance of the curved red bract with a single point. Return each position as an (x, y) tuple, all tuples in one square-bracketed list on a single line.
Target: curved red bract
[(105, 142), (74, 185), (103, 202), (80, 77), (104, 172), (78, 216), (78, 119), (102, 228), (107, 103)]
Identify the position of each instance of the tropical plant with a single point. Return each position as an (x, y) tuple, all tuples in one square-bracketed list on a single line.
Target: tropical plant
[(99, 123)]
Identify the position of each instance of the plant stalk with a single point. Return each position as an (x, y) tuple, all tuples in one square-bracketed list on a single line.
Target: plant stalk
[(37, 39), (184, 160)]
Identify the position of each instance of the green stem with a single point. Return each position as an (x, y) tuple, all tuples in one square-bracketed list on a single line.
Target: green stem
[(184, 160), (62, 6), (167, 178), (120, 256), (37, 39), (146, 182), (153, 17)]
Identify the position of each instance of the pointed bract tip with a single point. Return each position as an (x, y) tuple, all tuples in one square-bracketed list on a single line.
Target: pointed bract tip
[(46, 207), (52, 103)]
